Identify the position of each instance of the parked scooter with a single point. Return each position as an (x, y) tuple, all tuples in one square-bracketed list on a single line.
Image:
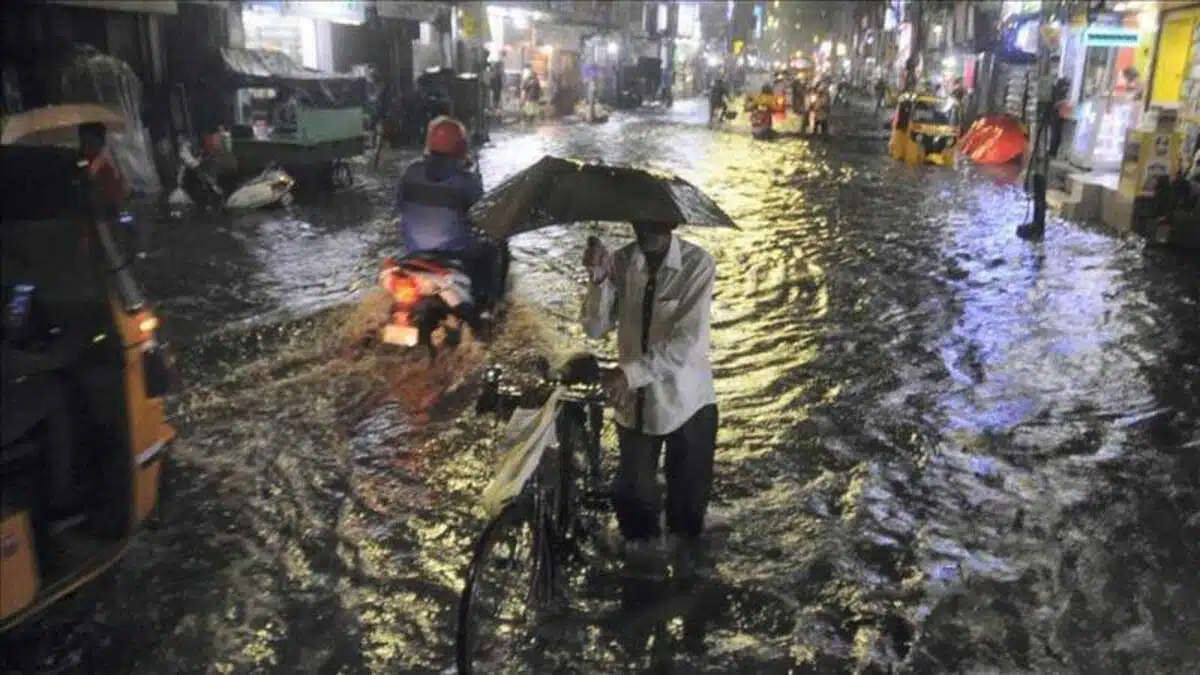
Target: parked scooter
[(195, 185)]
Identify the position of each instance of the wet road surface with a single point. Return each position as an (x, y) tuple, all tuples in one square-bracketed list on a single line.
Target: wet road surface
[(943, 449)]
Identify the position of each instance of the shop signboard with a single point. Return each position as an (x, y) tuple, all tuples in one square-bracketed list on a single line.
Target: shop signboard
[(894, 15), (351, 12), (409, 10), (1018, 7)]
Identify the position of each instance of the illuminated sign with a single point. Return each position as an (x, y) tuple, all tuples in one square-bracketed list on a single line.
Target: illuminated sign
[(1110, 36), (343, 11), (894, 16), (1012, 8)]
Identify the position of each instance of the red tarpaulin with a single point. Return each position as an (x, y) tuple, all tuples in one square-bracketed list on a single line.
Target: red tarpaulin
[(994, 140)]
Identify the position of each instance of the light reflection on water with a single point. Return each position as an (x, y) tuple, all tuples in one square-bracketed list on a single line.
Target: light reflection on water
[(942, 448)]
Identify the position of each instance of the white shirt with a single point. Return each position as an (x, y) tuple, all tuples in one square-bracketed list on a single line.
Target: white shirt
[(675, 371)]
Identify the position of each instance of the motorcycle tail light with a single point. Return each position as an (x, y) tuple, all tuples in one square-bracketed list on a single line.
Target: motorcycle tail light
[(402, 289)]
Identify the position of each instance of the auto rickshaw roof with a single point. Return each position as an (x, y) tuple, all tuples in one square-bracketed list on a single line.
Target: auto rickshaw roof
[(48, 180), (925, 98)]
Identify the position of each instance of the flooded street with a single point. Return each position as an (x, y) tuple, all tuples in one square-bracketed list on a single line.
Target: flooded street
[(943, 449)]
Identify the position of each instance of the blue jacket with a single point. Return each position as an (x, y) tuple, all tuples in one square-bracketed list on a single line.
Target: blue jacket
[(432, 201)]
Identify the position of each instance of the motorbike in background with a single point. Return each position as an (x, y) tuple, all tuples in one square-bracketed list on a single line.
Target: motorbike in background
[(435, 298), (195, 185), (762, 123)]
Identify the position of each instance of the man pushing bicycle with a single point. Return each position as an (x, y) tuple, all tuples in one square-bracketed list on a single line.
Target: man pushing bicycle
[(657, 293)]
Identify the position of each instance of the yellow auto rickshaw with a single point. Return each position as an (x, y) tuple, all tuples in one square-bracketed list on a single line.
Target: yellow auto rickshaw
[(924, 130), (67, 283)]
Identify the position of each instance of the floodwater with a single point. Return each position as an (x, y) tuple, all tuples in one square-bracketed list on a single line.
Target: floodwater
[(943, 449)]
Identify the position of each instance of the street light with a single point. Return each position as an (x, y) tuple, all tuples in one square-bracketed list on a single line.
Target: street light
[(613, 48)]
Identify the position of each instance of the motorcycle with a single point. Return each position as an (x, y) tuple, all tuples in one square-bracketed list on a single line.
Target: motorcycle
[(434, 297), (762, 124), (194, 185)]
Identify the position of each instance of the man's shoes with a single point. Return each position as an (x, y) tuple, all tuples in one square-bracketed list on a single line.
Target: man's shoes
[(646, 558), (686, 558), (612, 543), (655, 548)]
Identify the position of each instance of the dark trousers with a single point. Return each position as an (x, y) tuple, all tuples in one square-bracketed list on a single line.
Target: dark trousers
[(689, 469)]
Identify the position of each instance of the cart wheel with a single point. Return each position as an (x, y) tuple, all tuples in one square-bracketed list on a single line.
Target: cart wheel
[(342, 176)]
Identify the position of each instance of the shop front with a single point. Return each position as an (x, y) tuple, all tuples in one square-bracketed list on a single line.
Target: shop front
[(302, 30), (1106, 95), (1174, 80)]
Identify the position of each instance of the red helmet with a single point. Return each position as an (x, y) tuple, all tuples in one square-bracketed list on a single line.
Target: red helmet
[(446, 136)]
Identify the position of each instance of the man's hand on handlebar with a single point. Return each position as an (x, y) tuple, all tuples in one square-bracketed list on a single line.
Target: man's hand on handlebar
[(616, 387)]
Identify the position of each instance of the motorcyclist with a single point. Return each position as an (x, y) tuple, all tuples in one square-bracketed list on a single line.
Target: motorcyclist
[(718, 104), (765, 98), (432, 200)]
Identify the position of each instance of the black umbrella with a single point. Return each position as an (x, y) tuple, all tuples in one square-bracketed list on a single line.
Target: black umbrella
[(557, 191)]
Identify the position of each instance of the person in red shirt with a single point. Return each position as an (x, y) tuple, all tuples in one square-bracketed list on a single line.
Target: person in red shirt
[(93, 139)]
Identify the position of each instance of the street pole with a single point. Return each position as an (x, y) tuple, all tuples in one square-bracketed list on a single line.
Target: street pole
[(1038, 170)]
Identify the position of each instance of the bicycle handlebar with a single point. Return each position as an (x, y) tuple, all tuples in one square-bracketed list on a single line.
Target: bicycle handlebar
[(580, 376)]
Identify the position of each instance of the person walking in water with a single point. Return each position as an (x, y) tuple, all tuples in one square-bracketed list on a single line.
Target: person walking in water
[(657, 293)]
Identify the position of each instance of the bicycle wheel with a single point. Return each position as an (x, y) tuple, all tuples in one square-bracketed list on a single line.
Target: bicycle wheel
[(574, 479), (510, 577)]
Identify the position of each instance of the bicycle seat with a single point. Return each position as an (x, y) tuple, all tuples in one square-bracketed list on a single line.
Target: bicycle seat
[(582, 369)]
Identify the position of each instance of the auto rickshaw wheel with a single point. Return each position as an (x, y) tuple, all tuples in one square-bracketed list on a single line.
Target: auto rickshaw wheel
[(915, 155)]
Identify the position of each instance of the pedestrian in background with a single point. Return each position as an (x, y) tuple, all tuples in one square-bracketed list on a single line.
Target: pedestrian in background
[(497, 85)]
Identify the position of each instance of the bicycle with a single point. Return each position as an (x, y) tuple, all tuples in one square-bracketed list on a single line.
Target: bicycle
[(545, 519)]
